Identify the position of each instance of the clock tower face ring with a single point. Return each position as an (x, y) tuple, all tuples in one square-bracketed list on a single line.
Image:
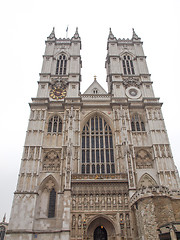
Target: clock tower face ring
[(133, 92), (57, 93)]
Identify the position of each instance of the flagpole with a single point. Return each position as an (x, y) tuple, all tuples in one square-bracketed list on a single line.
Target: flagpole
[(67, 31)]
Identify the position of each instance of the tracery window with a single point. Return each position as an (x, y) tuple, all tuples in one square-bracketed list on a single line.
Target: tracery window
[(128, 67), (61, 65), (55, 125), (52, 203), (97, 147), (137, 124)]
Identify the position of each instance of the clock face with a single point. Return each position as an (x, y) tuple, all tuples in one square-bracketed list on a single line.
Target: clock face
[(133, 92), (57, 93)]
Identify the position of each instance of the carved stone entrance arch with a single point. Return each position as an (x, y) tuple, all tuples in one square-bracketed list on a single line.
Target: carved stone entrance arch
[(101, 222)]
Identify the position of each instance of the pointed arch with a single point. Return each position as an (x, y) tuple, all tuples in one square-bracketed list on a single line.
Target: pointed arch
[(61, 63), (126, 52), (98, 113), (127, 59), (46, 205), (146, 180), (102, 220), (62, 52), (48, 183)]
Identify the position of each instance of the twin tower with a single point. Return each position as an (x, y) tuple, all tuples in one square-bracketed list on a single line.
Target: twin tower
[(96, 165)]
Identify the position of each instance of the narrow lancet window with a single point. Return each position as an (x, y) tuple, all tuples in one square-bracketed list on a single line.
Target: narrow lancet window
[(137, 123), (128, 67), (61, 65), (52, 203), (55, 125)]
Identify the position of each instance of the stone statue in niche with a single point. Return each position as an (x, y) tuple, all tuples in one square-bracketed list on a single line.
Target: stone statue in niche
[(85, 201), (91, 200), (102, 201), (121, 218), (73, 221), (79, 221), (114, 200), (120, 199), (128, 225), (108, 200), (80, 201), (125, 199), (116, 115), (74, 201), (97, 199)]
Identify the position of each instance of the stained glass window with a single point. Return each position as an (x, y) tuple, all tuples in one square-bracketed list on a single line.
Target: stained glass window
[(52, 203), (97, 147)]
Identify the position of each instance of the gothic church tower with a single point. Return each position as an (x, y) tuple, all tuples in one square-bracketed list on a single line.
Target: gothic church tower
[(95, 165)]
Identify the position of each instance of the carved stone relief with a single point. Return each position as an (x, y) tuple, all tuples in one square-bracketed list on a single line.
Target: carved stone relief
[(146, 180), (143, 159), (131, 81), (100, 201), (51, 161), (162, 150), (154, 114)]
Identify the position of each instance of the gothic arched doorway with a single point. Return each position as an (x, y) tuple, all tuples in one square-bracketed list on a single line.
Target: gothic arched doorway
[(100, 233), (101, 228)]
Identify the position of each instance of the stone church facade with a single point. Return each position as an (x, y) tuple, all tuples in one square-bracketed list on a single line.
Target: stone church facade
[(96, 165)]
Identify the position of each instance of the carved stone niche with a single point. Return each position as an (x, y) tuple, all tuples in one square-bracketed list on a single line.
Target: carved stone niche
[(143, 159), (51, 161), (131, 81)]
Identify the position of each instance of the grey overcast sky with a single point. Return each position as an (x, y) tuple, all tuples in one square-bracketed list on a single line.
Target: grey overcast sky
[(25, 25)]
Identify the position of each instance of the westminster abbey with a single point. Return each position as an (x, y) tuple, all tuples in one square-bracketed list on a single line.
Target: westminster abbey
[(96, 165)]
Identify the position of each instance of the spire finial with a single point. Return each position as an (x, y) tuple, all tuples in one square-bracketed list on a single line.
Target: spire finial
[(95, 77), (52, 35), (111, 35), (4, 218), (76, 35), (135, 36)]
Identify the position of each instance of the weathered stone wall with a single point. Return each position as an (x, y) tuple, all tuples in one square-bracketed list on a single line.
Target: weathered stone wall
[(151, 213), (176, 209)]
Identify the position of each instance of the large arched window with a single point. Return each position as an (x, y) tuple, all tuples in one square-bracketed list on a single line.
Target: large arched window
[(55, 125), (137, 124), (61, 66), (52, 203), (128, 67), (97, 147)]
